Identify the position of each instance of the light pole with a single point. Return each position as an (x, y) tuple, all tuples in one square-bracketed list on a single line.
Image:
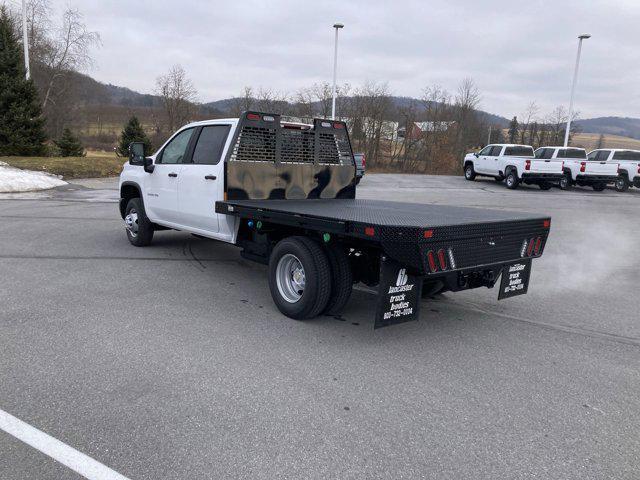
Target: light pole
[(582, 37), (25, 40), (337, 26)]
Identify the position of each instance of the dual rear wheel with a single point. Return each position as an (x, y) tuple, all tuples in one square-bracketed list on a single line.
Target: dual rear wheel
[(307, 279)]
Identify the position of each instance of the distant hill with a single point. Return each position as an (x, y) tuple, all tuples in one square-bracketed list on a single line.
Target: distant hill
[(621, 126)]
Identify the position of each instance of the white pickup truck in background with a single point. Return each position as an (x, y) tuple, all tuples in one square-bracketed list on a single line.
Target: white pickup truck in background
[(514, 164), (580, 169), (628, 162)]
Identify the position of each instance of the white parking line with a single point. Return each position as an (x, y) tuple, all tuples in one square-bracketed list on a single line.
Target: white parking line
[(63, 453)]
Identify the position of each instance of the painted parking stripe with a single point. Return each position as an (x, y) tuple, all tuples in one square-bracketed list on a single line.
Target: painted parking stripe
[(63, 453)]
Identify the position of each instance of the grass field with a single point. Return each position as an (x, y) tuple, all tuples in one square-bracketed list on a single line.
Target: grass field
[(589, 141), (94, 165)]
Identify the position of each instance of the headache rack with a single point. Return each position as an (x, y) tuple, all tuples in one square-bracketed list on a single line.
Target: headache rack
[(271, 159)]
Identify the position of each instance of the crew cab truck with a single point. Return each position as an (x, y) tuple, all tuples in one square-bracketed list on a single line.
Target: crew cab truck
[(580, 169), (285, 194), (514, 164), (628, 162)]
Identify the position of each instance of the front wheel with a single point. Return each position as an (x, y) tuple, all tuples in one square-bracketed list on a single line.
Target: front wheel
[(598, 187), (299, 278), (512, 180), (138, 226), (622, 185), (469, 172)]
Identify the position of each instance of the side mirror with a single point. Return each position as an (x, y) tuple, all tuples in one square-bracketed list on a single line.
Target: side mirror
[(148, 165), (136, 153), (477, 154)]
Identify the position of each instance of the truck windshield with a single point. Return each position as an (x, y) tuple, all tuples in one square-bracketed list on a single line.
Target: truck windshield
[(627, 155), (572, 153), (519, 151)]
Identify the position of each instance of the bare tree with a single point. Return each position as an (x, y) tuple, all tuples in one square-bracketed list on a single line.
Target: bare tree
[(526, 119), (178, 96)]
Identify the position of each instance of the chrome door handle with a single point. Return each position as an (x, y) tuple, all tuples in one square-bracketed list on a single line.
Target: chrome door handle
[(173, 174), (210, 177)]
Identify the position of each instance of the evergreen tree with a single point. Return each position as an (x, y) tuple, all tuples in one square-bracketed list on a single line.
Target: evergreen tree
[(69, 145), (513, 130), (133, 132), (21, 121)]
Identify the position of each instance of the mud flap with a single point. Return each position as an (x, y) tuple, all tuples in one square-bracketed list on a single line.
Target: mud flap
[(515, 279), (399, 294)]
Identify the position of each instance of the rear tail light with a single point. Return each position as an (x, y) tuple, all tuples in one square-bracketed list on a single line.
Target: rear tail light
[(527, 165), (364, 162), (639, 169), (431, 258), (536, 249), (583, 166), (546, 224), (442, 258), (338, 125), (370, 231), (253, 116), (530, 247)]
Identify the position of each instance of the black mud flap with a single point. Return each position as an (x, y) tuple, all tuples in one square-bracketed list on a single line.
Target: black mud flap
[(399, 295), (515, 279)]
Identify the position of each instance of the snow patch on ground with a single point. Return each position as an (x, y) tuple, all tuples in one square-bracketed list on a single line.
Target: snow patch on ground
[(16, 180)]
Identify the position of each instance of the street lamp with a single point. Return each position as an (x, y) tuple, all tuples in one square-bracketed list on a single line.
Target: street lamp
[(582, 37), (337, 26), (25, 40)]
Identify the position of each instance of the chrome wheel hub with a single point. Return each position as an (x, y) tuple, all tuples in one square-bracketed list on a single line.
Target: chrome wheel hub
[(131, 223), (290, 278)]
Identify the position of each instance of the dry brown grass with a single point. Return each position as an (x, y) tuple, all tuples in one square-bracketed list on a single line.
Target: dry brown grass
[(94, 165), (589, 141)]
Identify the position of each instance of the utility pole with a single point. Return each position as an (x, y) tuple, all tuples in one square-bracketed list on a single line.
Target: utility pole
[(582, 37), (489, 140), (337, 26), (25, 40)]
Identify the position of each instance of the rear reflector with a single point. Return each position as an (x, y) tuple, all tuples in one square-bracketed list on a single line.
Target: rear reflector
[(338, 125), (369, 231), (432, 261), (253, 116), (546, 224), (428, 233), (442, 259)]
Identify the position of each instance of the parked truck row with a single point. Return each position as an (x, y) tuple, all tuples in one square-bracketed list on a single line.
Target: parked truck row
[(285, 194), (561, 166)]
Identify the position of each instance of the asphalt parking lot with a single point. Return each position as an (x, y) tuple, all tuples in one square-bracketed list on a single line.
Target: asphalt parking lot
[(171, 361)]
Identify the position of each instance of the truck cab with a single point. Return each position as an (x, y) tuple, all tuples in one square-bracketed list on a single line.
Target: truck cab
[(512, 163), (628, 163)]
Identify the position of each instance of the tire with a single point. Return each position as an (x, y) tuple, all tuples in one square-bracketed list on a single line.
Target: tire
[(469, 172), (622, 184), (314, 278), (565, 182), (598, 187), (512, 180), (341, 279), (137, 225), (544, 186)]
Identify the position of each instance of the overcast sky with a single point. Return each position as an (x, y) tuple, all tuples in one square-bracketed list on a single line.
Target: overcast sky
[(517, 51)]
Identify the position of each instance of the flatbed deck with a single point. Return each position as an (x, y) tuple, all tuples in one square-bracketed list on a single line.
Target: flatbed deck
[(376, 212)]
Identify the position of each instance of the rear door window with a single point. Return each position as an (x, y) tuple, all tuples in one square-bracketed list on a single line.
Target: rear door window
[(210, 144), (592, 155)]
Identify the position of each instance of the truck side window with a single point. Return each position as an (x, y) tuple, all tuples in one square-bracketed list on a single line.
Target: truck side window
[(592, 155), (539, 153), (495, 151), (210, 144), (175, 150), (485, 150), (603, 155)]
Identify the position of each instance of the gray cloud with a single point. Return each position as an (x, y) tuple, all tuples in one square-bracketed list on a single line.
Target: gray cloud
[(517, 51)]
